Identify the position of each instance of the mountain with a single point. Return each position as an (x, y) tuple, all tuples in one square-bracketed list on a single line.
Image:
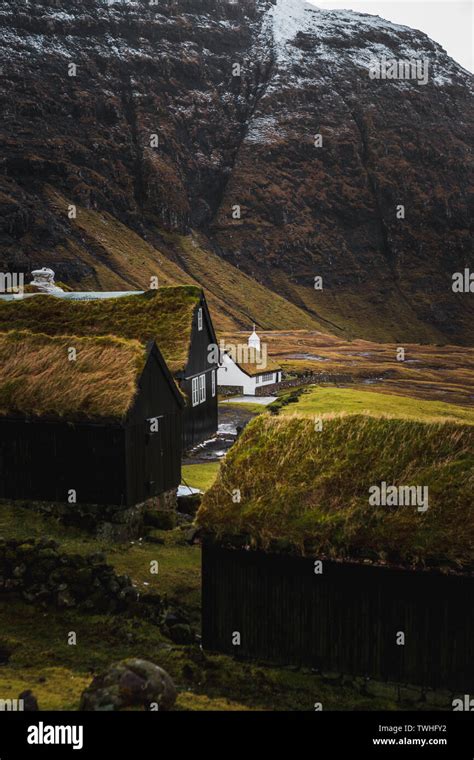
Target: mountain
[(136, 117)]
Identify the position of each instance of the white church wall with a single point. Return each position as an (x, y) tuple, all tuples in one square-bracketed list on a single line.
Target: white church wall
[(230, 374)]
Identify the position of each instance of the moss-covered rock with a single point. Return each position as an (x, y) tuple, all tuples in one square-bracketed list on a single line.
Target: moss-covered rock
[(130, 683)]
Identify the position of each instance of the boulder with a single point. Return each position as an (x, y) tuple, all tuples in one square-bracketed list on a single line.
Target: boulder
[(130, 683), (30, 703)]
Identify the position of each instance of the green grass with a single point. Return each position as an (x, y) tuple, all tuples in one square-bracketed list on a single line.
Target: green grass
[(57, 673), (321, 400), (307, 490), (179, 569), (248, 406), (200, 476)]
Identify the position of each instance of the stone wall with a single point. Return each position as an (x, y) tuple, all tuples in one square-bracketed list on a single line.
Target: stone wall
[(108, 522), (40, 571), (309, 379)]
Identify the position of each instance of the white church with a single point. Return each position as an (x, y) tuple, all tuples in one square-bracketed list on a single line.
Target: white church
[(247, 368)]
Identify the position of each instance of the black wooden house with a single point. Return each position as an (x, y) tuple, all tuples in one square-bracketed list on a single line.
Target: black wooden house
[(304, 569), (94, 421), (176, 318)]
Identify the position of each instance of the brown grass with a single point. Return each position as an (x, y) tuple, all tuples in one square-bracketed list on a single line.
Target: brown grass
[(437, 373), (163, 315), (37, 378)]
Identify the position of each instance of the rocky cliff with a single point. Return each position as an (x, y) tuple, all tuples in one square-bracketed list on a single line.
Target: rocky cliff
[(207, 140)]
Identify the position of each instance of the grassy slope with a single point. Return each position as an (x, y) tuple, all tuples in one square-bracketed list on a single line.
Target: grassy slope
[(321, 400), (122, 260), (308, 489), (253, 301), (359, 313)]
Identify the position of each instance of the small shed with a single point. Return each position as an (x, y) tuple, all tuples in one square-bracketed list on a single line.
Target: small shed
[(302, 566), (87, 420), (176, 318)]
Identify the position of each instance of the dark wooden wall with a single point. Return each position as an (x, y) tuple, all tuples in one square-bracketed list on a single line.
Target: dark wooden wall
[(200, 422), (345, 620), (154, 459), (42, 461)]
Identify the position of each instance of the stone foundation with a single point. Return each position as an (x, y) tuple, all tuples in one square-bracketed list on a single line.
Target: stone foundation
[(105, 521), (160, 511)]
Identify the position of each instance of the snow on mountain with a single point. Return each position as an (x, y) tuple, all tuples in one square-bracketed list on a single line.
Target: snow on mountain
[(300, 31)]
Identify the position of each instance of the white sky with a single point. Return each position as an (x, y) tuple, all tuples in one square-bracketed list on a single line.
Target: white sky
[(449, 22)]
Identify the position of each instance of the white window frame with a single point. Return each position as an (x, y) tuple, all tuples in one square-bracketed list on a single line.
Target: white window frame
[(195, 390), (257, 379), (268, 377), (202, 388), (213, 382), (199, 319)]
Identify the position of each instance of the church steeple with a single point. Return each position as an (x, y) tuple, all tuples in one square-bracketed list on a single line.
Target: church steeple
[(254, 340)]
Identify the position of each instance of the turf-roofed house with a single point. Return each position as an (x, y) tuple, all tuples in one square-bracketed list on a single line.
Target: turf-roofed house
[(90, 421), (176, 318), (348, 548)]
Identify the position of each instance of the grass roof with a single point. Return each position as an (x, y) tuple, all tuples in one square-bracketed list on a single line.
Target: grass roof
[(164, 315), (255, 363), (307, 491), (37, 377)]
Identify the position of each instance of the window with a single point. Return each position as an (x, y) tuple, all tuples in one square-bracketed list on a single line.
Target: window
[(268, 376), (257, 380), (195, 393), (202, 388), (199, 319), (213, 382)]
